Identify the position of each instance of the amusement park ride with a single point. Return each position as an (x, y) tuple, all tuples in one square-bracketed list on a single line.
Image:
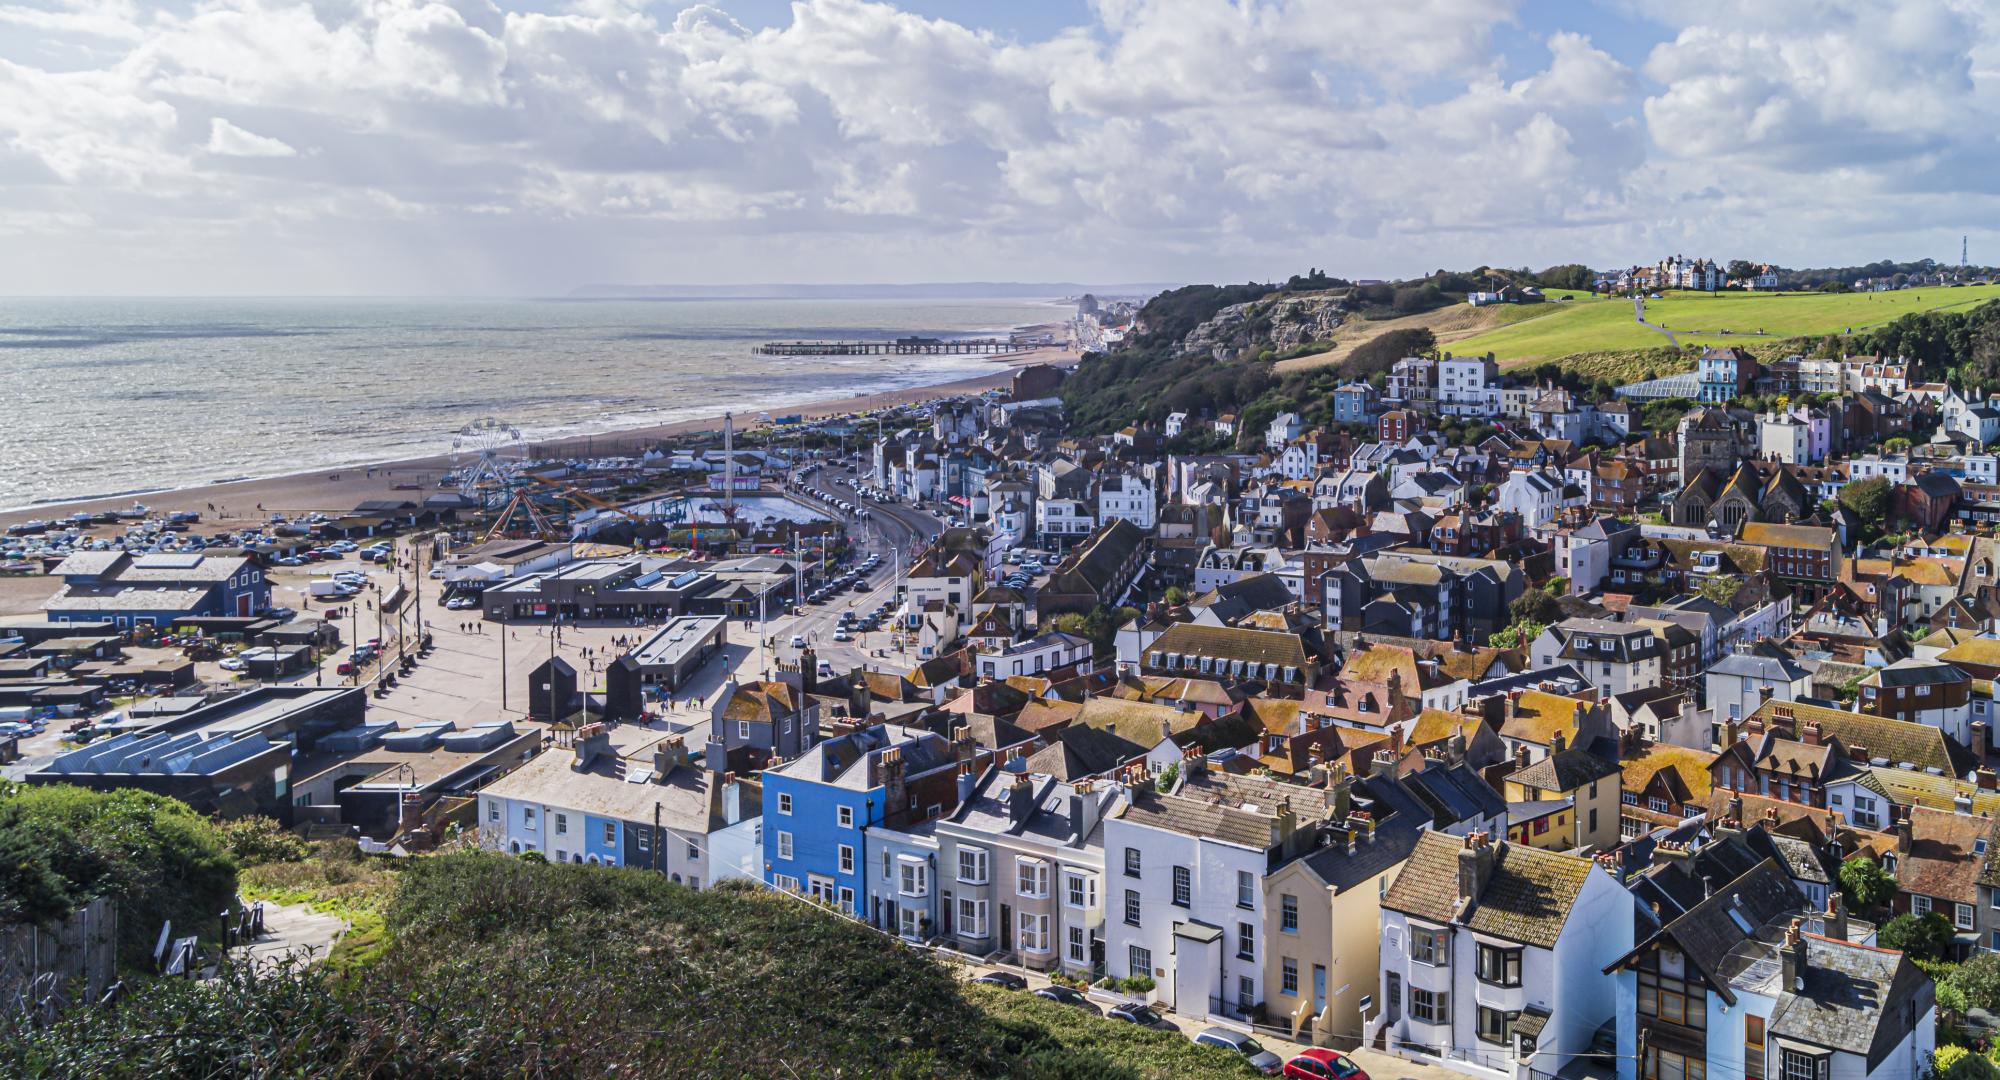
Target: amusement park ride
[(491, 466)]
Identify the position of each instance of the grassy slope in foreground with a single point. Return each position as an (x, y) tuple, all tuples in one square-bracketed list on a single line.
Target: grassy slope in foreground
[(499, 967), (1606, 325)]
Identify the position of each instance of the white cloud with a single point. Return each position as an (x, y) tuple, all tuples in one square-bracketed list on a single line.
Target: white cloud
[(229, 140), (1192, 138)]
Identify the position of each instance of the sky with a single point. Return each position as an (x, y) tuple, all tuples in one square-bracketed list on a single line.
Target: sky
[(456, 147)]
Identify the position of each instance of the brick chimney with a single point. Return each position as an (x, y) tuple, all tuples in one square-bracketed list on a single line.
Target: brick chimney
[(1904, 833), (1520, 756), (1339, 792), (1986, 779), (895, 783), (1558, 742), (1980, 741), (1811, 735), (1020, 798), (1475, 866), (1792, 958)]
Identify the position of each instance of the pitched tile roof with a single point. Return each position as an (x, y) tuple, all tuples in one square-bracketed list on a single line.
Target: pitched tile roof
[(1230, 643), (1566, 770), (1539, 715), (1527, 897), (1898, 740)]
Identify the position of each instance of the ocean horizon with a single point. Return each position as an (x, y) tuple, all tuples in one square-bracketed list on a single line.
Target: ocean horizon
[(111, 397)]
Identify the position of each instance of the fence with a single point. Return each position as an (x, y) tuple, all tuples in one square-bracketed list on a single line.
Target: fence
[(44, 970)]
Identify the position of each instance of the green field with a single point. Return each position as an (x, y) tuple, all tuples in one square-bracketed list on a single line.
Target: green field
[(1558, 329)]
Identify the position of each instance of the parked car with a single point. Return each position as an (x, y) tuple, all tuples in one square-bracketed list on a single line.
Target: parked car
[(1320, 1063), (1066, 996), (1005, 980), (1139, 1014), (231, 663), (1259, 1058)]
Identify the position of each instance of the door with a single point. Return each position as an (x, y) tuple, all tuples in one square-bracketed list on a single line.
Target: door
[(1319, 988), (1393, 990), (1006, 928)]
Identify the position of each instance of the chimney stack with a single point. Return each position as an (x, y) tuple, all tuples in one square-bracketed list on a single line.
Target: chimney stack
[(1986, 779), (966, 780), (1836, 915), (1475, 866), (1020, 798), (1812, 733), (1520, 756), (1904, 833), (1339, 792), (1792, 958), (1383, 764), (589, 742), (1980, 742), (895, 786), (1558, 743)]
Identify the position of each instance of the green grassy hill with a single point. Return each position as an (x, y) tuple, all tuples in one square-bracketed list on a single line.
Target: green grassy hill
[(493, 966), (1595, 325)]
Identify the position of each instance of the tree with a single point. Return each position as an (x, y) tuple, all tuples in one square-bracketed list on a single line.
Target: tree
[(1921, 937), (1866, 884), (1167, 776), (1868, 500), (1176, 596), (1978, 980), (1955, 1062), (1537, 606), (1519, 635), (1742, 268), (1721, 589), (1380, 353), (30, 889)]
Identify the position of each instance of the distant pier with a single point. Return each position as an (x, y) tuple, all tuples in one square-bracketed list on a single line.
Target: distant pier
[(908, 346)]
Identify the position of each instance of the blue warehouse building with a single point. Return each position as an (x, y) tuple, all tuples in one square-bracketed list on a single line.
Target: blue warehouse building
[(130, 590)]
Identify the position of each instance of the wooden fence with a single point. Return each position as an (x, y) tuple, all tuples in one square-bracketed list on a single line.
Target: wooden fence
[(43, 970)]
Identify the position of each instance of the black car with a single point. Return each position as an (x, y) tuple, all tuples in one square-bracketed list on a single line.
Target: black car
[(1139, 1014), (1066, 996), (1005, 980)]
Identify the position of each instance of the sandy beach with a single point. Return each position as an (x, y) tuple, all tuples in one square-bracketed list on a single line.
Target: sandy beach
[(337, 490)]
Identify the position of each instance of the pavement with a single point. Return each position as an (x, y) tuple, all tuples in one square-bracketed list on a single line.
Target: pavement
[(1378, 1065), (292, 930)]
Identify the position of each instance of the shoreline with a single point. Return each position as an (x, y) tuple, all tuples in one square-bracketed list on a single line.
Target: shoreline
[(337, 488)]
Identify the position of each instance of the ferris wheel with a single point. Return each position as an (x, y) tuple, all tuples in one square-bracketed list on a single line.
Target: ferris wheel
[(487, 451)]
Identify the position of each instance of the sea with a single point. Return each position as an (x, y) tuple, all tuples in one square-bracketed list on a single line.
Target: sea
[(107, 397)]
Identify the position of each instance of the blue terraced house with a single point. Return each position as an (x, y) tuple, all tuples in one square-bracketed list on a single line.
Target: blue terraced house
[(819, 807)]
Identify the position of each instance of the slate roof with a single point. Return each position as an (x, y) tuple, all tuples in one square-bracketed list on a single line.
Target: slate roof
[(1566, 770), (1857, 998), (1231, 643), (1081, 751), (1201, 818), (1527, 898), (1709, 931)]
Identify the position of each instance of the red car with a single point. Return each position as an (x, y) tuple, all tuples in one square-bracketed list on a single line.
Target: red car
[(1319, 1063)]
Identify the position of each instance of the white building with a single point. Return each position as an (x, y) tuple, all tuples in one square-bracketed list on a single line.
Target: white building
[(1468, 386), (1048, 652), (1536, 496), (1783, 437), (1493, 956), (1127, 496), (1175, 422), (1184, 899)]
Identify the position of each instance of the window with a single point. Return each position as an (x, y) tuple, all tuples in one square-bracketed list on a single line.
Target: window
[(1131, 907), (1079, 945), (562, 824), (1079, 890), (610, 833), (1288, 977), (910, 922), (847, 858), (972, 865), (1430, 1006), (784, 802), (1246, 890), (1919, 903), (1496, 1026), (1961, 916), (1032, 878), (1246, 992), (916, 879), (1183, 887), (847, 899), (972, 918), (743, 729), (1246, 941), (846, 817), (1800, 1066), (1498, 966), (1431, 947), (1131, 862), (786, 882), (784, 845), (1139, 961), (1658, 805), (493, 811), (1288, 913), (1034, 933), (694, 850), (1753, 1048)]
